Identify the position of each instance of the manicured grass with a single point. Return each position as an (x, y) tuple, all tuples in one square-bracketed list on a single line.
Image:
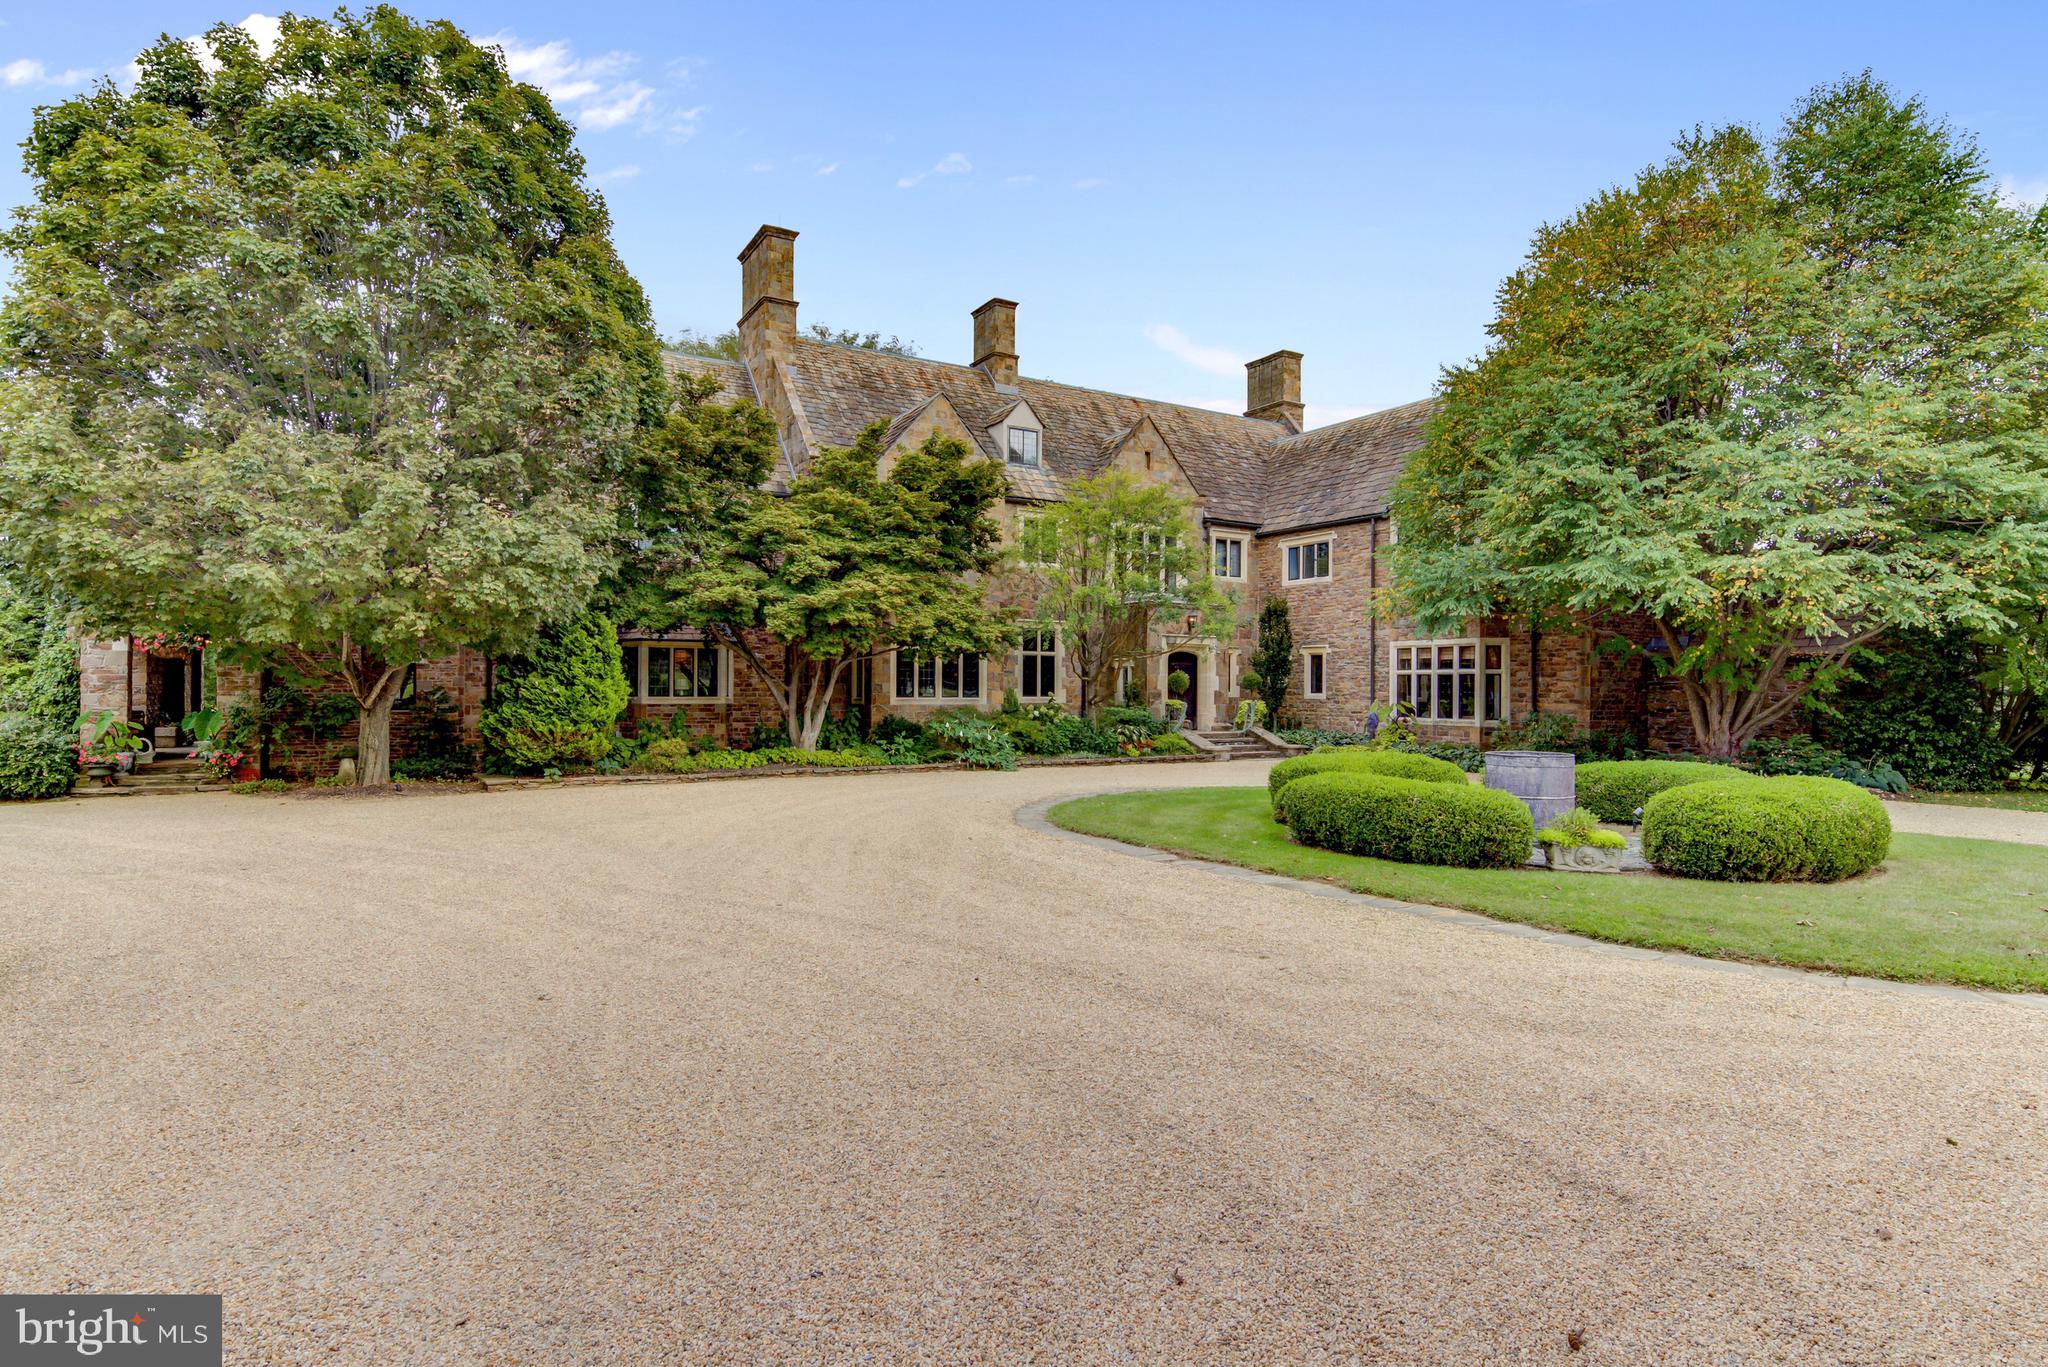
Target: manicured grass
[(2008, 801), (1940, 910)]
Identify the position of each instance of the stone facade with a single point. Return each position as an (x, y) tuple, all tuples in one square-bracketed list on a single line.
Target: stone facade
[(1258, 478)]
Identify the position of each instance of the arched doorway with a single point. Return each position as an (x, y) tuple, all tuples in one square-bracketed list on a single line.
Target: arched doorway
[(1186, 662)]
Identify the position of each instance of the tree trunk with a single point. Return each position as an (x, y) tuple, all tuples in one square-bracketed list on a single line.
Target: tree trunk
[(373, 729)]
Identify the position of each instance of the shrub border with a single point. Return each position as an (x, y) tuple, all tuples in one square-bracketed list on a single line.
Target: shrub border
[(1035, 816)]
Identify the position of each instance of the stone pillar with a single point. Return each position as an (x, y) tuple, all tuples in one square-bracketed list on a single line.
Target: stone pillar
[(103, 683)]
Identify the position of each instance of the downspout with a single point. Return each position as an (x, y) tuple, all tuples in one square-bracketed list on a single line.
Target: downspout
[(1372, 616), (1535, 676)]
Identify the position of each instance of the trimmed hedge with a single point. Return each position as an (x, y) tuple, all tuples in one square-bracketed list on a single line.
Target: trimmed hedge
[(1350, 760), (1613, 789), (1767, 830), (1411, 820), (38, 758)]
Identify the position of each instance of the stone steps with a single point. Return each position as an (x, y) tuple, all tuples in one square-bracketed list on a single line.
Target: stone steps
[(1240, 745)]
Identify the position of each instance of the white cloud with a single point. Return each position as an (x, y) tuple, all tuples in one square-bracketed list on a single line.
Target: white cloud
[(758, 167), (2023, 194), (1020, 180), (616, 174), (263, 29), (29, 72), (597, 93), (1177, 344), (952, 164), (1089, 182), (827, 169)]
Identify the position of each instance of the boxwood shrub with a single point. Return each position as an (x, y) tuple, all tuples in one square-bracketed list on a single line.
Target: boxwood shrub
[(1352, 760), (38, 758), (1412, 820), (1613, 789), (1815, 830)]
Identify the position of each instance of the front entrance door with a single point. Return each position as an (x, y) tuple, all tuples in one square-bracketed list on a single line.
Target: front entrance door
[(1184, 662)]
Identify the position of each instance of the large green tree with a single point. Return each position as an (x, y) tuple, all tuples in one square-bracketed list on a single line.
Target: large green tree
[(850, 564), (1119, 570), (325, 353), (1777, 397)]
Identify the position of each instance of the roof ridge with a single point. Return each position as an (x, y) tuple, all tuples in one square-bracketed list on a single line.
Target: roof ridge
[(1263, 423)]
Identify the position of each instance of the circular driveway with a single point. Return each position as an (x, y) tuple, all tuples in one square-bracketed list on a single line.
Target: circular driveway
[(855, 1067)]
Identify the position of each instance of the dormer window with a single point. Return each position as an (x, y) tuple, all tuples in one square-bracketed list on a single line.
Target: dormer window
[(1024, 446)]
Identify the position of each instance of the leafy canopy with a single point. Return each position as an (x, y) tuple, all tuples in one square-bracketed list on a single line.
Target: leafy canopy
[(848, 565), (325, 353), (1120, 572), (1779, 397)]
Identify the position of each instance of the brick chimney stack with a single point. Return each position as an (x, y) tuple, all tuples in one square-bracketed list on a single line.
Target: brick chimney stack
[(768, 290), (1273, 388), (995, 342)]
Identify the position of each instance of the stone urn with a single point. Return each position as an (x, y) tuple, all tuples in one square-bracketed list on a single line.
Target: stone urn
[(346, 772), (1583, 858)]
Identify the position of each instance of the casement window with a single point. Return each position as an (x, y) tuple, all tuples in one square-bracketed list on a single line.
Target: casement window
[(1037, 667), (660, 672), (940, 678), (1125, 678), (1146, 565), (408, 689), (1459, 680), (1308, 560), (1042, 554), (1023, 444), (1315, 673), (1229, 556)]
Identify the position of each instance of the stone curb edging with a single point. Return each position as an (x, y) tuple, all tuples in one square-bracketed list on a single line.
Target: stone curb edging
[(1033, 816), (503, 784)]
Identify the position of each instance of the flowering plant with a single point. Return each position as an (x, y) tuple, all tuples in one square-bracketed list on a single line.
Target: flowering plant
[(172, 642), (106, 738)]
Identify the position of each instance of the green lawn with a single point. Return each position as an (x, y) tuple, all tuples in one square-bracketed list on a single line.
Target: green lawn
[(2009, 801), (1939, 910)]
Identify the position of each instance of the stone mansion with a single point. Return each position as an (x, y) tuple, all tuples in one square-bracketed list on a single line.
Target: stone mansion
[(1286, 512)]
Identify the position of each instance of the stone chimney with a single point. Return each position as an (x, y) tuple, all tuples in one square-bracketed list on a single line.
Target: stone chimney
[(767, 291), (995, 342), (1272, 386)]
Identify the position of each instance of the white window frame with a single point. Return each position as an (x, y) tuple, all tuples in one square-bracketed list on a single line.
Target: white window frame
[(1220, 539), (1321, 656), (639, 650), (1428, 682), (938, 680), (1049, 648), (1126, 675), (1292, 554), (1011, 432)]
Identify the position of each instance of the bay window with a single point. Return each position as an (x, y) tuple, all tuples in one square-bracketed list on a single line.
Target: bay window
[(1457, 680)]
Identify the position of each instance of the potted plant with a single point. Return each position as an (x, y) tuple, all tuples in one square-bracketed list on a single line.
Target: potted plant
[(108, 746), (1177, 697), (1578, 842)]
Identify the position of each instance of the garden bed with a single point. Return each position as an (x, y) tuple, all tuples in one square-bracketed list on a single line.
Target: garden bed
[(1946, 910), (496, 782)]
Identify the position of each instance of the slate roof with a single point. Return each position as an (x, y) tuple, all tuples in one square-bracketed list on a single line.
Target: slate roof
[(1341, 471), (734, 383), (1248, 470)]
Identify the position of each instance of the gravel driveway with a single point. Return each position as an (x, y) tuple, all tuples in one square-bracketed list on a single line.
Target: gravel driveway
[(855, 1069)]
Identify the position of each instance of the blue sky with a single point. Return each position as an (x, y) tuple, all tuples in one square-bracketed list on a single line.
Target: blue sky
[(1167, 190)]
